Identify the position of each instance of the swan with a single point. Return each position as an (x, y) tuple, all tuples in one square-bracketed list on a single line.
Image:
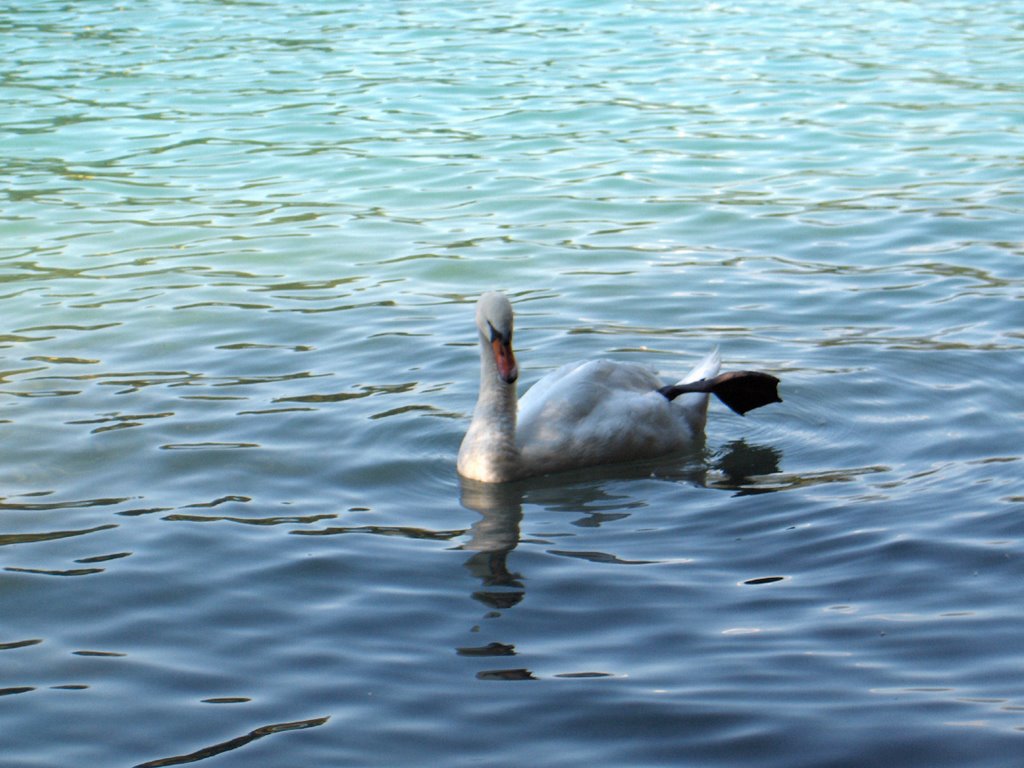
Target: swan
[(586, 413)]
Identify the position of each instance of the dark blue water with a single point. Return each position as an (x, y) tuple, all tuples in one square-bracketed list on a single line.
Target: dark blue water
[(240, 247)]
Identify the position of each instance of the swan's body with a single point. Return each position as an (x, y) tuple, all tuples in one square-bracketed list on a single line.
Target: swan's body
[(602, 411), (586, 413)]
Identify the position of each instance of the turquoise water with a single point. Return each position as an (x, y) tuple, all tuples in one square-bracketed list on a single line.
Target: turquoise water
[(239, 247)]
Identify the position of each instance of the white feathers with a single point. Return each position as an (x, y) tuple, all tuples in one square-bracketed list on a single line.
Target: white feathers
[(582, 414)]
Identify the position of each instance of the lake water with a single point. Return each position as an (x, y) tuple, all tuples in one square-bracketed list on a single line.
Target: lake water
[(240, 244)]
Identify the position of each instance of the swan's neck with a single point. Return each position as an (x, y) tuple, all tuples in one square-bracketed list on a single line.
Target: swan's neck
[(489, 451)]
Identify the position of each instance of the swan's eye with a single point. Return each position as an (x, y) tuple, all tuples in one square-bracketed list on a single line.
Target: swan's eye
[(496, 335)]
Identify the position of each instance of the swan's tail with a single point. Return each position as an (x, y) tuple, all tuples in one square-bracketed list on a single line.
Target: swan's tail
[(742, 391), (695, 403), (705, 369)]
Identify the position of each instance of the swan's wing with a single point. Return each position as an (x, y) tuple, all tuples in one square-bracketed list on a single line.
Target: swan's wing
[(586, 382), (576, 391), (595, 413)]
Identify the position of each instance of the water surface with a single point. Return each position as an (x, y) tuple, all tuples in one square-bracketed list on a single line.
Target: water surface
[(240, 246)]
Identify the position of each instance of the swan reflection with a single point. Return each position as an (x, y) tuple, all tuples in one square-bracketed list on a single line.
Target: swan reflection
[(491, 539), (739, 467)]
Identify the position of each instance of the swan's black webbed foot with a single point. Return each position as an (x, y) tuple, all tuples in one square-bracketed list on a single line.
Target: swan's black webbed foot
[(742, 391)]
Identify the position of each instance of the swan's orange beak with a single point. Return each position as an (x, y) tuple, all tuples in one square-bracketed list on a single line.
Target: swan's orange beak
[(505, 360)]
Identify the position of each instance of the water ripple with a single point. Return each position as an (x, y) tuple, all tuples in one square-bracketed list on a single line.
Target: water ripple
[(240, 249)]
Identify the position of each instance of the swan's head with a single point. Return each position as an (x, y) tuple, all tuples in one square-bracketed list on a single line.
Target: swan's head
[(494, 322)]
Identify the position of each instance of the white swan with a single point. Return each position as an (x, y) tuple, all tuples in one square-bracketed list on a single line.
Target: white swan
[(586, 413)]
